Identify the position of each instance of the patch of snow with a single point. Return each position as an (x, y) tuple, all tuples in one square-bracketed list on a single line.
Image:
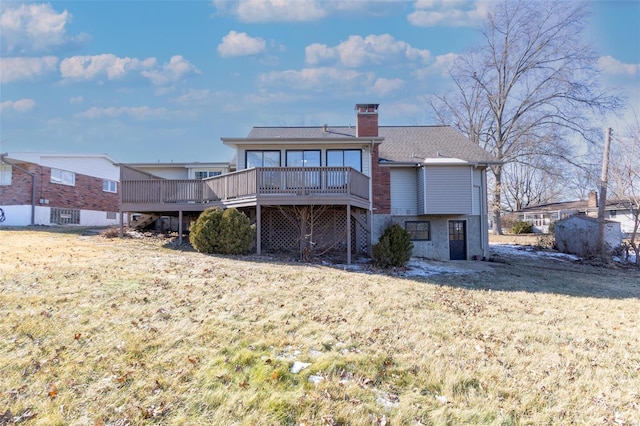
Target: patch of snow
[(315, 379), (529, 251), (299, 366)]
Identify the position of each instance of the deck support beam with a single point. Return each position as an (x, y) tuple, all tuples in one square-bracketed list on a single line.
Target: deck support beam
[(258, 229), (348, 234), (180, 227)]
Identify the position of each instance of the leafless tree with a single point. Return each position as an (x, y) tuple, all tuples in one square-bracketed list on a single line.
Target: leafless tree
[(531, 181), (528, 88), (624, 182)]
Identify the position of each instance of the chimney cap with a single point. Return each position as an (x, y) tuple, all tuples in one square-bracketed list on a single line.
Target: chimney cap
[(367, 107)]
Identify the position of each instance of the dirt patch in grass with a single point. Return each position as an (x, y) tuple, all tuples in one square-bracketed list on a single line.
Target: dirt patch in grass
[(128, 331)]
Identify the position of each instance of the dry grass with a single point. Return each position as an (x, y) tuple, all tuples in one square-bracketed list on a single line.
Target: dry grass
[(115, 332)]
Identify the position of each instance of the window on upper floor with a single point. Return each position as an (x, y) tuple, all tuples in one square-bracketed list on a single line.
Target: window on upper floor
[(345, 158), (63, 177), (109, 186), (418, 230), (5, 174), (310, 158), (203, 174), (262, 159)]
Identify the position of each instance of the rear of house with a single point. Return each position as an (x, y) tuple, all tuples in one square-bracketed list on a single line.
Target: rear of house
[(58, 189), (337, 188)]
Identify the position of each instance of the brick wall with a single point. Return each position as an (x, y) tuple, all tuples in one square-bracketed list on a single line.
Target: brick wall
[(381, 183), (87, 194)]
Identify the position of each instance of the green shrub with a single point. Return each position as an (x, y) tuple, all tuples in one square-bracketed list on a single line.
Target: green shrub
[(393, 249), (552, 227), (222, 231), (522, 227)]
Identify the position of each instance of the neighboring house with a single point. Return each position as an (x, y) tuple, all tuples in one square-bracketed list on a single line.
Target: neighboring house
[(542, 215), (58, 189), (194, 170), (341, 187), (579, 235)]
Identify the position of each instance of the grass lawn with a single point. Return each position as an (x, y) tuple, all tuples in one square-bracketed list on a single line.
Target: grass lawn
[(97, 331)]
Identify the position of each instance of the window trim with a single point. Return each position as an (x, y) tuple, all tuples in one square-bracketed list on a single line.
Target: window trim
[(106, 186), (359, 151), (262, 151), (63, 177), (6, 174), (427, 222)]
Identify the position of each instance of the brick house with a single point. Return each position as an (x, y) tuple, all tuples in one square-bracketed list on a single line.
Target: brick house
[(339, 187), (58, 189)]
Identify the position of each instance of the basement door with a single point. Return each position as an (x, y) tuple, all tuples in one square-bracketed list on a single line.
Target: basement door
[(457, 240)]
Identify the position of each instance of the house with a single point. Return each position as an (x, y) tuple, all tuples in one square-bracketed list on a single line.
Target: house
[(617, 210), (338, 188), (579, 235), (176, 170), (58, 189)]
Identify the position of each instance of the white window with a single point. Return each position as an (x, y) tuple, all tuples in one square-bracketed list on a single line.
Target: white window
[(5, 174), (63, 177), (206, 174), (109, 186)]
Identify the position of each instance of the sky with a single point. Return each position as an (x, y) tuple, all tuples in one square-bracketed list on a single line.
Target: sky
[(162, 81)]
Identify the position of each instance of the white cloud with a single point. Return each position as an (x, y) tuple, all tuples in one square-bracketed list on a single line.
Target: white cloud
[(275, 10), (173, 71), (76, 100), (372, 49), (138, 113), (111, 66), (33, 27), (441, 66), (13, 69), (194, 97), (22, 105), (453, 13), (611, 65), (384, 86), (240, 44), (318, 79)]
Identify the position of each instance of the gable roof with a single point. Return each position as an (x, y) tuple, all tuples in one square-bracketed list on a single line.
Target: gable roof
[(401, 144)]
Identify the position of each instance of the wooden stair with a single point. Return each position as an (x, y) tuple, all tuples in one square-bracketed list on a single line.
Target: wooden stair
[(142, 221)]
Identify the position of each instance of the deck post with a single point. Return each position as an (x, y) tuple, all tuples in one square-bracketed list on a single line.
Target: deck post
[(258, 229), (180, 227), (121, 227), (348, 234), (369, 230)]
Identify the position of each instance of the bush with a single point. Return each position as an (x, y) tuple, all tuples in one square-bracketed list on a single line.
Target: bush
[(522, 227), (393, 249), (222, 231), (552, 227)]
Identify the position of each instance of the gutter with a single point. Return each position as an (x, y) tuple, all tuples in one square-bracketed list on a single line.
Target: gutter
[(3, 159)]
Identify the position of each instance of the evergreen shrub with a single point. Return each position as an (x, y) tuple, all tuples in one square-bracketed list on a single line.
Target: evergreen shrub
[(222, 231), (393, 249), (522, 227)]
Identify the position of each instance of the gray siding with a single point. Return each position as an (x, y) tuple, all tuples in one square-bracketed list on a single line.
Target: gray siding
[(404, 191), (449, 190)]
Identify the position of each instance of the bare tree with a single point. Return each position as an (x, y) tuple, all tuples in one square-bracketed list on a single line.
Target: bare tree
[(625, 178), (528, 88), (531, 181)]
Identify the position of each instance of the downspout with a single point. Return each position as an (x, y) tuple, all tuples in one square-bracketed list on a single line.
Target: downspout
[(3, 159), (483, 213)]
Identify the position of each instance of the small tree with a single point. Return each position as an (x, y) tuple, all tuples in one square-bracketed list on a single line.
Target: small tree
[(393, 249), (222, 231)]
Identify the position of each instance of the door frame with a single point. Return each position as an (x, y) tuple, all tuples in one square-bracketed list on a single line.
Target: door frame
[(465, 239)]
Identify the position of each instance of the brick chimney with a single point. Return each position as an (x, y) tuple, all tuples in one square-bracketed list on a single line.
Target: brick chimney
[(367, 120), (592, 201)]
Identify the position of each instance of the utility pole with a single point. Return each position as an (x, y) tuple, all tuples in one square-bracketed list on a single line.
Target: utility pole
[(602, 199)]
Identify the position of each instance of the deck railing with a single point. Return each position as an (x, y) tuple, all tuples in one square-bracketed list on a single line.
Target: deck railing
[(295, 181)]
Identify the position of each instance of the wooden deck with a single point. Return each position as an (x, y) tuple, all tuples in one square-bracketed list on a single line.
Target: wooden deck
[(142, 192)]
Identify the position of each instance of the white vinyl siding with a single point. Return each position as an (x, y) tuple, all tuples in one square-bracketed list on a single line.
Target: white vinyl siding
[(404, 191), (5, 174), (448, 190)]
